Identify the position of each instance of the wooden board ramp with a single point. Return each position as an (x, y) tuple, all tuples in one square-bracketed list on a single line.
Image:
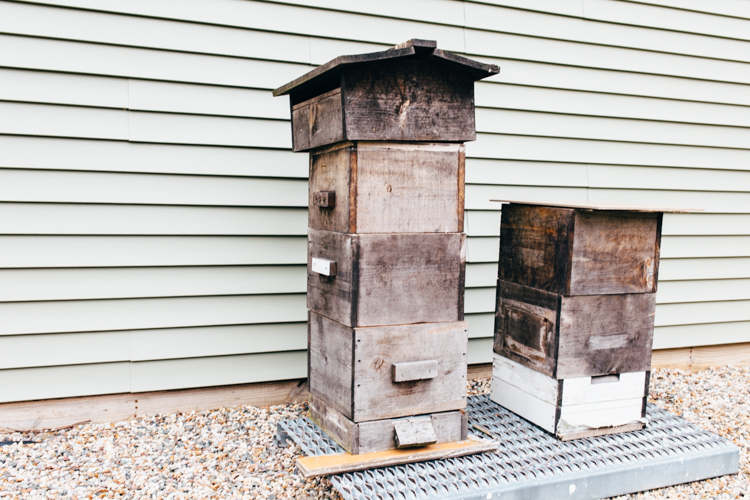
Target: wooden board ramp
[(324, 465)]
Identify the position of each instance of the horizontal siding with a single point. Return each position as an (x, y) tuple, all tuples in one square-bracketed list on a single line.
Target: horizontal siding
[(114, 283), (20, 318), (27, 384), (86, 219), (672, 337), (45, 153), (133, 251), (212, 371), (153, 217), (99, 187), (571, 150)]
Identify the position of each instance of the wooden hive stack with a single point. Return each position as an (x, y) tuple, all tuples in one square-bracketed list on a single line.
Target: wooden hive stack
[(386, 250), (576, 297)]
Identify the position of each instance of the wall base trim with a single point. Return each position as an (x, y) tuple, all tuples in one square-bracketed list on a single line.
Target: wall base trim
[(56, 413)]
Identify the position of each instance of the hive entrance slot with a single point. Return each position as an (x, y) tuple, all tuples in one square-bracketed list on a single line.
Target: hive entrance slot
[(605, 379)]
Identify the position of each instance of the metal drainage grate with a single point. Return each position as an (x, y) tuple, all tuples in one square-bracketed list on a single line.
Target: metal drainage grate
[(530, 463)]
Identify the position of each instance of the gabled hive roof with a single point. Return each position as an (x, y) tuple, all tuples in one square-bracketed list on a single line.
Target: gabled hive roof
[(324, 75)]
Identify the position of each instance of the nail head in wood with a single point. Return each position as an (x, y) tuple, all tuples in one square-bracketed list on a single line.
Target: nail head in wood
[(324, 266), (415, 370)]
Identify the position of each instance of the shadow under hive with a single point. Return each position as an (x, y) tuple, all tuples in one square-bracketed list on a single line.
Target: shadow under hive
[(386, 250), (531, 463)]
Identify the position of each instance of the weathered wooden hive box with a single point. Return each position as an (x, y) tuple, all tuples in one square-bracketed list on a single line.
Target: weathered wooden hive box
[(576, 296), (386, 250)]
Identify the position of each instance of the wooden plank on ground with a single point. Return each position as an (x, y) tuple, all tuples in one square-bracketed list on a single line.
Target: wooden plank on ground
[(323, 465)]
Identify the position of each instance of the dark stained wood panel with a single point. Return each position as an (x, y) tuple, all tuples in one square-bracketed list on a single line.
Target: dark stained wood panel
[(411, 99), (388, 279), (410, 278), (578, 336), (317, 122), (526, 326), (615, 252), (579, 251), (408, 100), (333, 296), (334, 170), (605, 334), (323, 77), (535, 245)]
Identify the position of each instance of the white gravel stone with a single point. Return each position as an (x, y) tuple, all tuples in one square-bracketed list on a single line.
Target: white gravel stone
[(229, 453)]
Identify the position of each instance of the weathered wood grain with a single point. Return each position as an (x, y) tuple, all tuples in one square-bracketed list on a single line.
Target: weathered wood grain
[(410, 278), (334, 423), (526, 326), (394, 100), (334, 297), (317, 121), (389, 188), (334, 169), (571, 251), (330, 356), (605, 334), (322, 76), (578, 336), (535, 383), (377, 396), (379, 435), (351, 369), (408, 100), (408, 188), (615, 252), (388, 279), (535, 246), (414, 432)]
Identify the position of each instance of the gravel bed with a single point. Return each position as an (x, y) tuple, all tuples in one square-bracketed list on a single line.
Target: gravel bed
[(229, 453)]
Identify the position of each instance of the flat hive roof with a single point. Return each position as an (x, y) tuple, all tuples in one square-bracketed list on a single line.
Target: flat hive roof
[(590, 205)]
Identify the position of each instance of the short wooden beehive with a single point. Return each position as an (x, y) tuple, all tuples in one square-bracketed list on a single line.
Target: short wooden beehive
[(386, 249), (574, 319)]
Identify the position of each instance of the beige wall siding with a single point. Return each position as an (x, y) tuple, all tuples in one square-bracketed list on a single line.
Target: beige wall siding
[(153, 217)]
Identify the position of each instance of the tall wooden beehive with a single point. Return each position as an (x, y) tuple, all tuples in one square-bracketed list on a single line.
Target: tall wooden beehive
[(386, 250), (576, 296)]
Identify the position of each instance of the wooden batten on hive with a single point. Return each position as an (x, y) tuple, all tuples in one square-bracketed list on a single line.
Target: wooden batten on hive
[(574, 318), (386, 249)]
